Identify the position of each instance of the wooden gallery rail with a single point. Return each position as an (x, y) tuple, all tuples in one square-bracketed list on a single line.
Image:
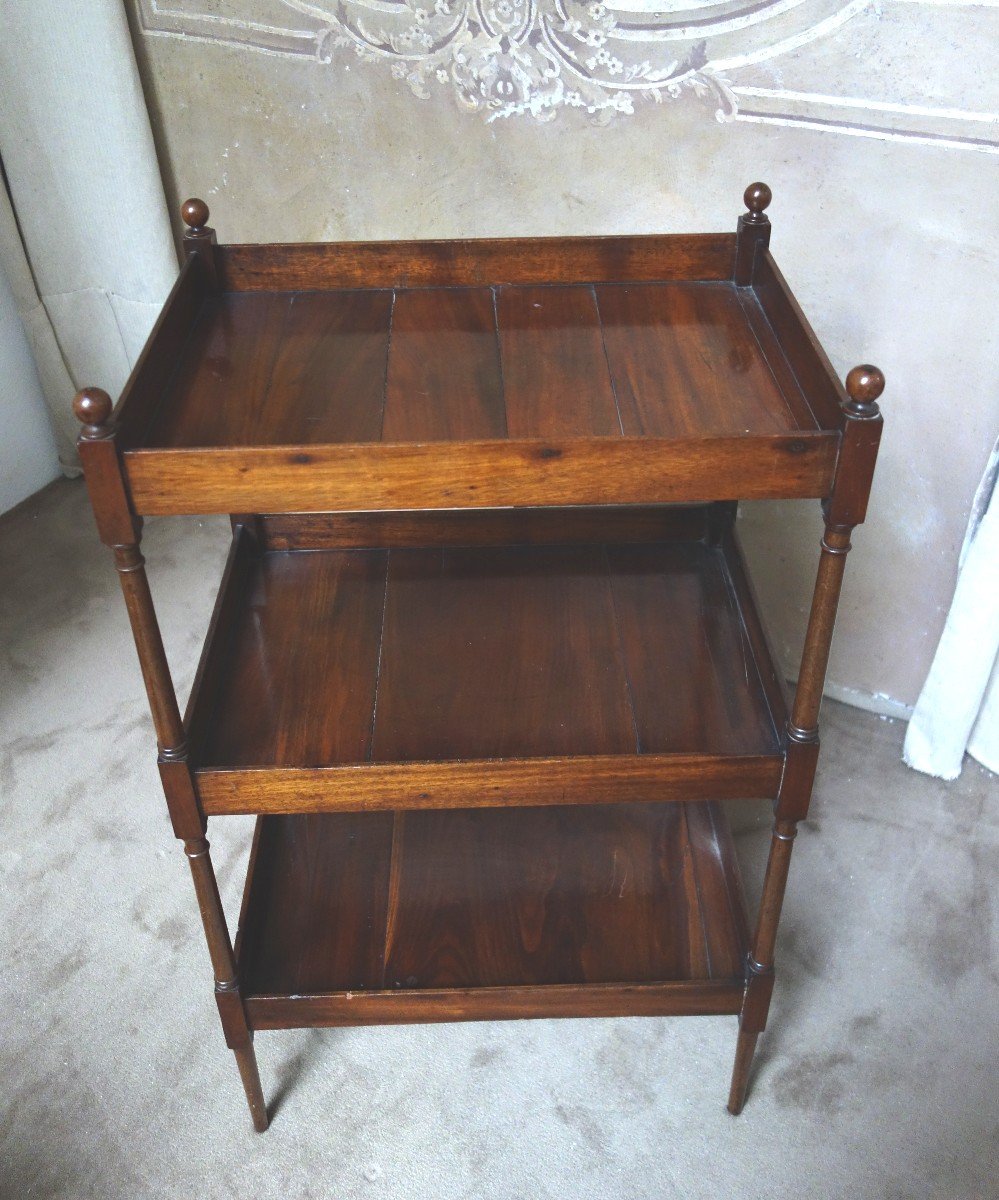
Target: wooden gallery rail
[(485, 658)]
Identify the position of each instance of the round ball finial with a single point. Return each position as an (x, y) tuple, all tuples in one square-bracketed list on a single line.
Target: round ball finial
[(195, 213), (93, 407), (757, 197), (864, 385)]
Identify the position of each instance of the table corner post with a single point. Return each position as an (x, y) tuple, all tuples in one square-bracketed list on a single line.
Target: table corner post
[(121, 529), (844, 508), (752, 233), (199, 239)]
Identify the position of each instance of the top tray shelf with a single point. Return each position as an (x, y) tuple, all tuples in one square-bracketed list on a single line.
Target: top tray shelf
[(404, 365), (476, 374)]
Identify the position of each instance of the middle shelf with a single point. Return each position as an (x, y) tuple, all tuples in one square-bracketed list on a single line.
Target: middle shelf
[(454, 676)]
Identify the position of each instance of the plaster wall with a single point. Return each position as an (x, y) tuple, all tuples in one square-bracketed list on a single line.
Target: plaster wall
[(872, 126), (27, 448)]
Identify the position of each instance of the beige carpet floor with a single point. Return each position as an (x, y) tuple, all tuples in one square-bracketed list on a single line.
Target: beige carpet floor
[(877, 1079)]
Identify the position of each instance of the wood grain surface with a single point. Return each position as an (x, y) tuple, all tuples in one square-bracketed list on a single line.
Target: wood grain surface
[(220, 392), (800, 347), (500, 653), (479, 374), (479, 263), (492, 474), (556, 379), (693, 678), (400, 1006), (444, 381), (298, 687), (676, 360), (485, 783), (453, 654), (328, 380), (508, 394), (686, 364), (483, 675), (470, 527), (492, 899)]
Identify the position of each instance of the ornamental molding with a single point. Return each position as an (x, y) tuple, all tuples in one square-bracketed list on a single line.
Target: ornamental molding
[(516, 58)]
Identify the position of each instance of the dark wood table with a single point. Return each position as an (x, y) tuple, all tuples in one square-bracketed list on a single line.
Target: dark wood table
[(485, 657)]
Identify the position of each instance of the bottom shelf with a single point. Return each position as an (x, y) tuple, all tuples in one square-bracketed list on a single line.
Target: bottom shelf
[(476, 914)]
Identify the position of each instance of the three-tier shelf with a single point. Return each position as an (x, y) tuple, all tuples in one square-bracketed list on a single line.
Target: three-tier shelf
[(485, 657)]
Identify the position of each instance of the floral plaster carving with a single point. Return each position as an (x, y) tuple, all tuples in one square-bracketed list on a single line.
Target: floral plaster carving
[(513, 57), (506, 58)]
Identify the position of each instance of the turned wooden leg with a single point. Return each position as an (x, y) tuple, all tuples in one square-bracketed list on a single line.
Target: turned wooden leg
[(801, 740), (744, 1051), (760, 962), (246, 1060), (238, 1034)]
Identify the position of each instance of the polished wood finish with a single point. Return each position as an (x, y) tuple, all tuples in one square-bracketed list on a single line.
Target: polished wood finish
[(297, 683), (668, 345), (199, 241), (585, 779), (479, 263), (773, 355), (803, 351), (818, 637), (493, 899), (444, 382), (238, 1035), (497, 527), (156, 365), (753, 233), (231, 592), (149, 644), (864, 384), (585, 904), (745, 1049), (345, 658), (117, 525), (492, 474), (692, 680), (220, 389), (551, 348), (402, 1007), (194, 214), (846, 506), (479, 397), (485, 652), (500, 653), (330, 366), (92, 408), (475, 364), (116, 520), (757, 198), (761, 646)]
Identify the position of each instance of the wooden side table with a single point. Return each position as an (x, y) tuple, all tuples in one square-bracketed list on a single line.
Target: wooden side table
[(485, 657)]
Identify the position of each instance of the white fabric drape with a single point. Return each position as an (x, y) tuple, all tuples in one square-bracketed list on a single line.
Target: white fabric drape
[(958, 708), (87, 246)]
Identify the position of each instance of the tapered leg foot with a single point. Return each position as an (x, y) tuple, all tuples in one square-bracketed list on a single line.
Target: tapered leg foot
[(744, 1051), (246, 1060)]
